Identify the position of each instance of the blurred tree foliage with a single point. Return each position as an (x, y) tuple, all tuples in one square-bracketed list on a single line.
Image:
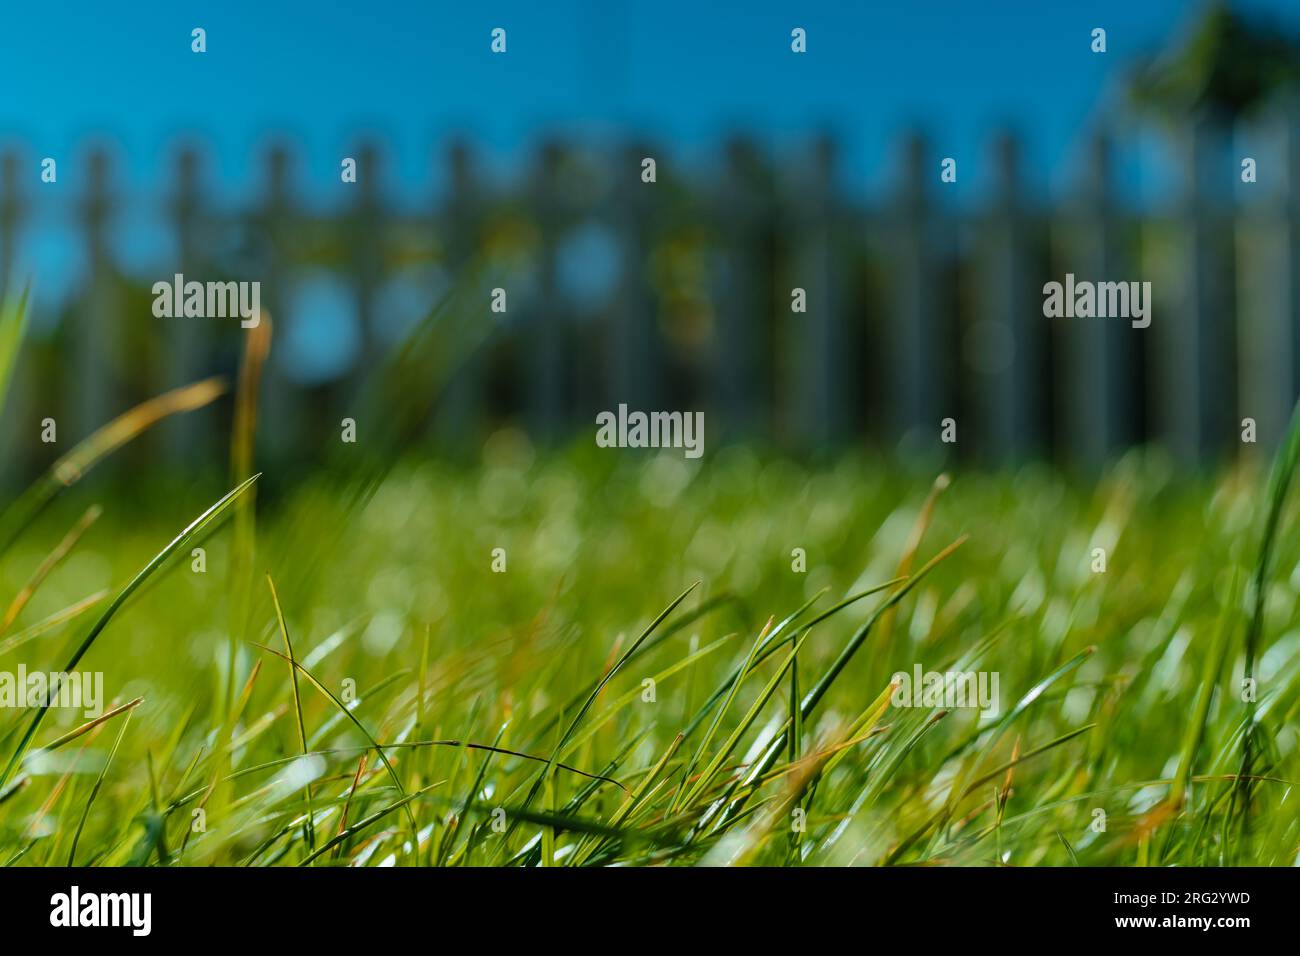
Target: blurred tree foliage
[(1228, 65)]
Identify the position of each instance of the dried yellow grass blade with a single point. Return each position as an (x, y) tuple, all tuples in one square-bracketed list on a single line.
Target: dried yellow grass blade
[(69, 469)]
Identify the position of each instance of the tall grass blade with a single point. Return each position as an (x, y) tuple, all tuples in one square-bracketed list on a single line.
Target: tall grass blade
[(13, 322), (194, 528)]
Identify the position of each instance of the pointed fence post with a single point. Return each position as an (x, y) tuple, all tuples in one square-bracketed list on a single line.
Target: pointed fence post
[(1006, 345), (817, 334), (191, 344), (636, 349), (17, 443), (1098, 360), (544, 334), (1268, 288), (743, 296), (96, 318), (916, 381), (284, 417), (366, 237), (460, 223), (13, 209), (1193, 348)]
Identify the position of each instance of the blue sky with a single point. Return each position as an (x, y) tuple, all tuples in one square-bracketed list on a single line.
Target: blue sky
[(686, 72)]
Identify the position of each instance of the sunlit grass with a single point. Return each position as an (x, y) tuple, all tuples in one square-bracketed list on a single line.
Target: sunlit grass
[(590, 656), (530, 708)]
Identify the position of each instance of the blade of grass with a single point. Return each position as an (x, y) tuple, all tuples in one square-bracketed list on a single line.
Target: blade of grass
[(818, 691), (195, 527), (1195, 730), (55, 620), (88, 726), (715, 764), (257, 346), (921, 525), (308, 832), (347, 712), (402, 804), (707, 739), (1284, 466), (69, 469), (94, 791), (347, 806), (591, 698), (52, 561), (944, 812)]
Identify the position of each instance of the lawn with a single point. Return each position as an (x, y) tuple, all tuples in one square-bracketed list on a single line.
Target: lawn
[(598, 656)]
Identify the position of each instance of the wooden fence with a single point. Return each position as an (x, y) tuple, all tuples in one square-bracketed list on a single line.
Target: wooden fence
[(677, 294)]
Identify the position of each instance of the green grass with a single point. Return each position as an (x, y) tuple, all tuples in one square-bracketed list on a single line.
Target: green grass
[(478, 692), (340, 677)]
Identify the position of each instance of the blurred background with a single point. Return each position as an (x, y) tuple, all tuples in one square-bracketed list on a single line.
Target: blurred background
[(774, 171)]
